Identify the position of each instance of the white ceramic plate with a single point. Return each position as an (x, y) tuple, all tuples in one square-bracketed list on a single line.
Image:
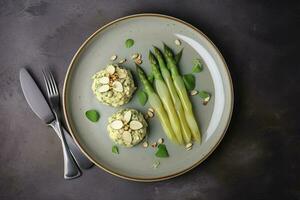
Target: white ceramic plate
[(146, 30)]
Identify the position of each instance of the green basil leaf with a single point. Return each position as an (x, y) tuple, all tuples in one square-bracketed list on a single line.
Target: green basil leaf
[(92, 115), (129, 43), (198, 66), (189, 81), (205, 96), (162, 151), (178, 56), (115, 149), (142, 96)]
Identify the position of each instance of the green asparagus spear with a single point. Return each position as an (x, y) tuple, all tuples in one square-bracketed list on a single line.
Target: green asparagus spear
[(177, 103), (164, 94), (182, 93), (155, 102)]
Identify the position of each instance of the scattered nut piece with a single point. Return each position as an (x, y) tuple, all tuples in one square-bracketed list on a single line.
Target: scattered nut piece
[(139, 57), (188, 145), (135, 125), (156, 164), (151, 110), (138, 61), (127, 116), (146, 116), (145, 144), (111, 69), (154, 145), (189, 148), (177, 42), (113, 57), (206, 100), (126, 128), (150, 114), (117, 124), (127, 137), (122, 61), (122, 74), (113, 77), (134, 56), (103, 88), (118, 86), (160, 141), (194, 92), (104, 80)]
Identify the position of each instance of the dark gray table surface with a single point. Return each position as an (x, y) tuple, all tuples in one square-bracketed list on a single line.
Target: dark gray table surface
[(257, 159)]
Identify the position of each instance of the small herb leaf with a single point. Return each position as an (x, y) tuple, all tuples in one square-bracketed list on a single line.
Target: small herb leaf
[(205, 96), (177, 57), (162, 151), (189, 81), (129, 43), (142, 96), (198, 66), (92, 115), (115, 149)]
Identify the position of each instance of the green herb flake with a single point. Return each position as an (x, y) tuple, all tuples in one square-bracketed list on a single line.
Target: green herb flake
[(189, 81), (115, 149), (142, 96), (198, 66), (129, 43), (155, 164), (205, 96), (162, 151), (92, 115)]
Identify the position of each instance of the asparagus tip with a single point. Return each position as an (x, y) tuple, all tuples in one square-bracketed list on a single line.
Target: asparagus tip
[(152, 58), (167, 50), (156, 50)]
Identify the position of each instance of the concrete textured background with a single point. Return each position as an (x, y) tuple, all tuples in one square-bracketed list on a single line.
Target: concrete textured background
[(259, 156)]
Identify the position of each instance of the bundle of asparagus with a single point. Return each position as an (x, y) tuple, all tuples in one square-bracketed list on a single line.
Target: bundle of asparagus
[(170, 100)]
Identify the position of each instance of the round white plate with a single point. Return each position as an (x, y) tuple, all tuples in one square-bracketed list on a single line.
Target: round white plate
[(146, 30)]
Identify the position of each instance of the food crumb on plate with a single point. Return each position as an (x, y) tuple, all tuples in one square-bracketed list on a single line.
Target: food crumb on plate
[(156, 164)]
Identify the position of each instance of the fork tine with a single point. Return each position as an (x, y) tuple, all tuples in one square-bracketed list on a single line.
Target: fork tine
[(54, 83), (46, 82), (50, 83)]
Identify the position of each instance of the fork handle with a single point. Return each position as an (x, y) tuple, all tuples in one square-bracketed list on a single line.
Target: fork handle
[(82, 161), (71, 170)]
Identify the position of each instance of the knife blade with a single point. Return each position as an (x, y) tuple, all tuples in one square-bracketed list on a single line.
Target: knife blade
[(40, 107)]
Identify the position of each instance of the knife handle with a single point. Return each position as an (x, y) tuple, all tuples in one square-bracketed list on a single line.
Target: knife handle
[(71, 169), (79, 157)]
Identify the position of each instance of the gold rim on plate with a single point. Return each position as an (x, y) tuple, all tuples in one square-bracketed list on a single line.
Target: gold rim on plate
[(72, 131)]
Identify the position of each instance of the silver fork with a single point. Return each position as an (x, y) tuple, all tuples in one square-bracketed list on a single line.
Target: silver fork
[(71, 170)]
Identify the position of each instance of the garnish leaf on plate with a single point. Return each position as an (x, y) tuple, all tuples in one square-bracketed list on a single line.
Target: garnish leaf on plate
[(129, 43), (142, 96), (198, 66), (92, 115), (205, 96), (162, 151), (189, 81), (115, 149)]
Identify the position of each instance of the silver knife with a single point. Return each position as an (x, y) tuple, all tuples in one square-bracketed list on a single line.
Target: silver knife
[(40, 107)]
